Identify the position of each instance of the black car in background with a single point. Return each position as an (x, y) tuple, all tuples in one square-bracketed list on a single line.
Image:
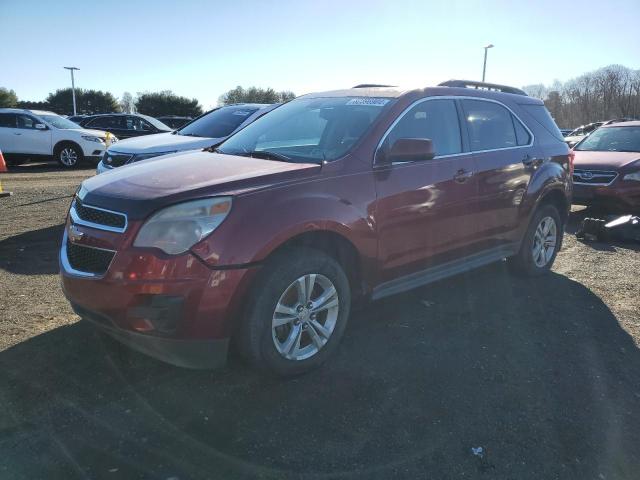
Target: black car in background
[(175, 121), (125, 125), (77, 118)]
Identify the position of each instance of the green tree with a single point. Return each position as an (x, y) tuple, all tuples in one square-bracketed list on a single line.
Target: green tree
[(8, 98), (167, 103), (87, 102), (31, 105), (255, 95)]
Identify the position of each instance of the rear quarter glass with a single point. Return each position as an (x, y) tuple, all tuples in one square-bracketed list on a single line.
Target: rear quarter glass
[(541, 115)]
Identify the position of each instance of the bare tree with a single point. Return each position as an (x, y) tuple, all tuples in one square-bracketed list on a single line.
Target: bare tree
[(604, 94), (127, 103)]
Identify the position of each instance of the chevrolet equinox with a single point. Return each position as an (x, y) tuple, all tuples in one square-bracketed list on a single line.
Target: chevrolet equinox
[(269, 239)]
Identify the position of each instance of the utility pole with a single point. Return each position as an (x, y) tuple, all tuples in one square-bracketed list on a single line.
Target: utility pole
[(73, 87), (484, 66)]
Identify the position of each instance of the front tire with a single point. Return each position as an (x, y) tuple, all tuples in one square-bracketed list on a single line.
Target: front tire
[(541, 243), (69, 155), (297, 314)]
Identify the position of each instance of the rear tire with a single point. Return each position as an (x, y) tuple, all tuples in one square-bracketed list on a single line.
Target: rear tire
[(69, 155), (541, 243), (286, 330)]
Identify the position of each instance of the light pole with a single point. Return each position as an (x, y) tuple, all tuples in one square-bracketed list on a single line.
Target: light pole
[(73, 87), (484, 66)]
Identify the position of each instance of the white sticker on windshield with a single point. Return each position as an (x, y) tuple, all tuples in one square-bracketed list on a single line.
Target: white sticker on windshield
[(244, 113), (373, 102)]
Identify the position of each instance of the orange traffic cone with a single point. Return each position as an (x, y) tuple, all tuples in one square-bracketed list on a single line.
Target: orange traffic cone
[(3, 168)]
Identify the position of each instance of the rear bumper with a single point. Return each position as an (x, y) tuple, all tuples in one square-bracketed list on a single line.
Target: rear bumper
[(188, 353), (619, 196)]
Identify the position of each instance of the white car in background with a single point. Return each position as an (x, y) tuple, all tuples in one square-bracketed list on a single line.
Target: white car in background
[(32, 134)]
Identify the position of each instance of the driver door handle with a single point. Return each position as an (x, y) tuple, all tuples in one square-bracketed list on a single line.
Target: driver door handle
[(17, 133), (462, 175)]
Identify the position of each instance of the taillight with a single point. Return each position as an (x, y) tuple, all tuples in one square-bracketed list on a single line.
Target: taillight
[(572, 156)]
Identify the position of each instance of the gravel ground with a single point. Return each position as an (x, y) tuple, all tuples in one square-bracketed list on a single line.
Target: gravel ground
[(543, 375)]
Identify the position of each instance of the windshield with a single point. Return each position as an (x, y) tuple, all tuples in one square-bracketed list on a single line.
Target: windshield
[(612, 139), (59, 122), (156, 123), (219, 123), (309, 130)]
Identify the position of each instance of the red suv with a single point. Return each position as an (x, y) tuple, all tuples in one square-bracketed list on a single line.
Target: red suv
[(334, 197), (607, 168)]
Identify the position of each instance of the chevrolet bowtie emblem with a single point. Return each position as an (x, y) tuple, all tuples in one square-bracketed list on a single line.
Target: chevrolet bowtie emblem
[(74, 234)]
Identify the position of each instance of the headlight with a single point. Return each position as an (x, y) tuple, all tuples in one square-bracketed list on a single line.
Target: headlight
[(177, 228), (91, 138), (144, 156), (632, 176)]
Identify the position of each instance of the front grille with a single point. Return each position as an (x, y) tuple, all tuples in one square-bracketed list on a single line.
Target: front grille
[(99, 216), (87, 259), (115, 159), (593, 177)]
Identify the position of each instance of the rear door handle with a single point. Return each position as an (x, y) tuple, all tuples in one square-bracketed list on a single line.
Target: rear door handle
[(462, 175), (530, 161), (17, 133)]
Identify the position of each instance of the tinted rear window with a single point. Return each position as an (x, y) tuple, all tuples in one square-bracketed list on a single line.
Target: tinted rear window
[(219, 123), (8, 120), (541, 115), (490, 125)]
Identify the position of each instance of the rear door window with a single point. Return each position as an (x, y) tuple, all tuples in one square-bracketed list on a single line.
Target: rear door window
[(436, 120), (522, 135), (490, 125), (8, 120), (25, 121), (109, 122)]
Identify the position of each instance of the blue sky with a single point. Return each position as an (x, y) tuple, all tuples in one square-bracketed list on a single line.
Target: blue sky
[(202, 49)]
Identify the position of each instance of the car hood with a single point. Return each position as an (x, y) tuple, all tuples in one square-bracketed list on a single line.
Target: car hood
[(143, 187), (87, 131), (162, 142), (604, 160)]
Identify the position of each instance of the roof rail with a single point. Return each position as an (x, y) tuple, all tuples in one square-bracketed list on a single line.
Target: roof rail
[(371, 85), (482, 86)]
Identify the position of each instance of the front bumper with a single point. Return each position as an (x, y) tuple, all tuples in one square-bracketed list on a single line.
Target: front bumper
[(619, 196), (174, 308), (189, 353)]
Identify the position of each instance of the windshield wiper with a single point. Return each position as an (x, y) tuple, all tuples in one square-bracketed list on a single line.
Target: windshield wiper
[(267, 155)]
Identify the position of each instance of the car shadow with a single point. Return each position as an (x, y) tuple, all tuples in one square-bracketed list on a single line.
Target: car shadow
[(537, 373), (44, 166), (32, 253)]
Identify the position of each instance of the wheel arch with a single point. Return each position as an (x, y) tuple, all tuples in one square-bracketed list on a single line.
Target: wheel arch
[(558, 199), (61, 143), (333, 244)]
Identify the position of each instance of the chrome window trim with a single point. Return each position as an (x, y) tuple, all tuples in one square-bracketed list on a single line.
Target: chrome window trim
[(64, 260), (79, 221), (456, 97)]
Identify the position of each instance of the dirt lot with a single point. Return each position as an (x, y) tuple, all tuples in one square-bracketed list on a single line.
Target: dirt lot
[(544, 375)]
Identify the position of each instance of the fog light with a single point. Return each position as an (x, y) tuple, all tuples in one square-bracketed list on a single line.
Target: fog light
[(156, 313)]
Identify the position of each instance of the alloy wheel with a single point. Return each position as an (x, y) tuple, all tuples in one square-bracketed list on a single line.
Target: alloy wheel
[(68, 157), (305, 317), (544, 242)]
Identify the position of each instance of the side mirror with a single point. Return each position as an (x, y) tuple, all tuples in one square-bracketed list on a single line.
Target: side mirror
[(410, 150), (40, 126)]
